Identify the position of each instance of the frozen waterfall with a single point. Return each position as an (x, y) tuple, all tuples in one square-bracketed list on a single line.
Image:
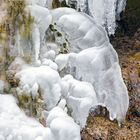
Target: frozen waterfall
[(75, 68)]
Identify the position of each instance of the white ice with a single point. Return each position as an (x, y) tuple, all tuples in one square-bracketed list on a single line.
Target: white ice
[(104, 12), (47, 79), (80, 97), (96, 62), (15, 125), (80, 30), (92, 64)]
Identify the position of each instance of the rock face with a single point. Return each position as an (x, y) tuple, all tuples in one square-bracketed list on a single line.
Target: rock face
[(101, 128)]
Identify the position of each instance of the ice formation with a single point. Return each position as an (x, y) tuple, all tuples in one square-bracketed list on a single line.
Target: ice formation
[(42, 19), (96, 61), (80, 30), (109, 14), (104, 12), (37, 2), (69, 84), (80, 97), (15, 125), (48, 81), (62, 126)]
